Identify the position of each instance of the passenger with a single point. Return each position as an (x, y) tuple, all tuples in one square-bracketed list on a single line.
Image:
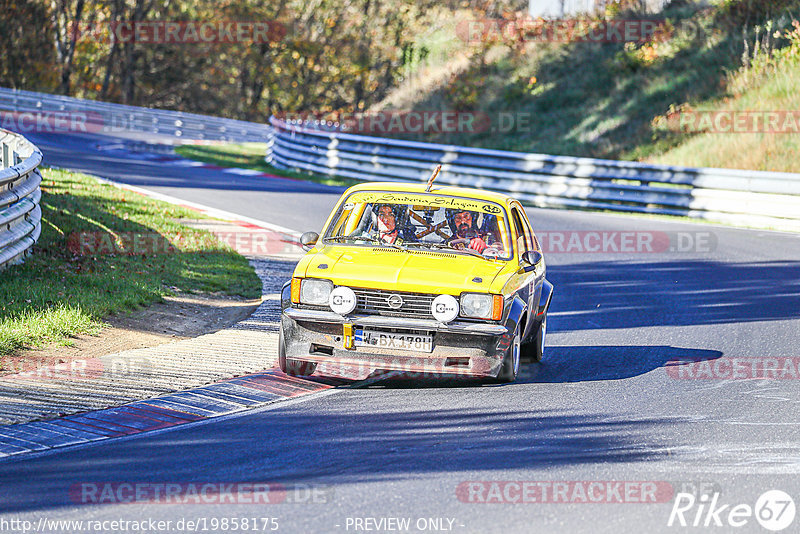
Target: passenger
[(388, 231)]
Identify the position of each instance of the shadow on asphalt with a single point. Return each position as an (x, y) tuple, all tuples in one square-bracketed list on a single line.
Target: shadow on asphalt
[(609, 362), (572, 364), (625, 294), (337, 443)]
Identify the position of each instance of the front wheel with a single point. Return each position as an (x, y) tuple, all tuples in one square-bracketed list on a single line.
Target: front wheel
[(292, 367), (534, 350), (508, 373)]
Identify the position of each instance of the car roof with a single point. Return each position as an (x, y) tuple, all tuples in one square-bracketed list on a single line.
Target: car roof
[(419, 187)]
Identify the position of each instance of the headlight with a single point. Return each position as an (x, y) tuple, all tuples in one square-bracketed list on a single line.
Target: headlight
[(315, 292), (482, 306)]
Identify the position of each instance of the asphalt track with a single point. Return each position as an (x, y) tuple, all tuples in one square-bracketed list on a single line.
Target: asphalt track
[(608, 404)]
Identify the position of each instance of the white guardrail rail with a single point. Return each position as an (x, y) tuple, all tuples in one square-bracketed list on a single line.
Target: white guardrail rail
[(39, 111), (743, 198), (20, 213)]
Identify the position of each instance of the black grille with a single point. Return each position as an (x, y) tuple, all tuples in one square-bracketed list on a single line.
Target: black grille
[(375, 301)]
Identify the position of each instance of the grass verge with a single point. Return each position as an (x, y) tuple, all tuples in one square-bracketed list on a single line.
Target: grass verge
[(611, 100), (59, 292), (761, 151), (251, 156)]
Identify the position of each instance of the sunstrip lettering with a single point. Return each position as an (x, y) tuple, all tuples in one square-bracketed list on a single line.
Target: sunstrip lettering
[(425, 200)]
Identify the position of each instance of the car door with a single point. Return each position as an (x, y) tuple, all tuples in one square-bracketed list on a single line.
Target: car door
[(536, 289), (523, 242)]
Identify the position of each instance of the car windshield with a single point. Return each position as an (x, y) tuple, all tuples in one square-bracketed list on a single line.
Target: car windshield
[(421, 221)]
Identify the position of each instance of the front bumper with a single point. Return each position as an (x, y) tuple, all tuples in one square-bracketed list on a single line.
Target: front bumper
[(459, 348)]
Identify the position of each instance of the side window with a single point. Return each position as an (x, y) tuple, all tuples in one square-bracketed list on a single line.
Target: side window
[(523, 236), (529, 231)]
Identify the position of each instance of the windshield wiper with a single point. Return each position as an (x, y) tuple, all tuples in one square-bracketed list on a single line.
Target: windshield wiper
[(337, 238), (443, 246), (470, 251), (381, 242), (366, 239)]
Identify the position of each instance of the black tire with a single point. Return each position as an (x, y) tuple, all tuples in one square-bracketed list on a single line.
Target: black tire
[(533, 351), (508, 373), (292, 367)]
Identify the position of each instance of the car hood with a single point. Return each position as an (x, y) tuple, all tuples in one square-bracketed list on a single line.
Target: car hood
[(412, 271)]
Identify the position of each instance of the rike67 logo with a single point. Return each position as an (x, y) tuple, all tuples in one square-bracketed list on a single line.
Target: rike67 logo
[(774, 510)]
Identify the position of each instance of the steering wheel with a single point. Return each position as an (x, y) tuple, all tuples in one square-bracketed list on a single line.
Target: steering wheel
[(487, 252)]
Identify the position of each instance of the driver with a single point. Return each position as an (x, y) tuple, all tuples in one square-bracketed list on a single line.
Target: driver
[(464, 228)]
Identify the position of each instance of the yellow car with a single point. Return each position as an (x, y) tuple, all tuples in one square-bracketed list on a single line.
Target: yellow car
[(431, 282)]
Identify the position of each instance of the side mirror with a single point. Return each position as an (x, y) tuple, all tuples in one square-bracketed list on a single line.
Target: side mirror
[(532, 257), (308, 240)]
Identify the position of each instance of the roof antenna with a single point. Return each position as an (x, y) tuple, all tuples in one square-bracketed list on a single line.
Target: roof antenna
[(432, 178)]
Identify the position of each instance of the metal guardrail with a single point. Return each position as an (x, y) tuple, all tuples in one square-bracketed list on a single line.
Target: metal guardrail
[(112, 119), (745, 198), (20, 193), (20, 213)]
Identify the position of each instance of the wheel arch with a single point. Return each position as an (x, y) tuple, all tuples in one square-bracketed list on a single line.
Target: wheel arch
[(517, 311), (544, 300), (286, 295)]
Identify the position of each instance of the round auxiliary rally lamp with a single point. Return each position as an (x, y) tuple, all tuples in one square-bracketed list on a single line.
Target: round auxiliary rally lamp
[(342, 300), (444, 308)]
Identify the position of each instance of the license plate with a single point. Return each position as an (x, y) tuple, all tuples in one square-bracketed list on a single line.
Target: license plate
[(392, 340)]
